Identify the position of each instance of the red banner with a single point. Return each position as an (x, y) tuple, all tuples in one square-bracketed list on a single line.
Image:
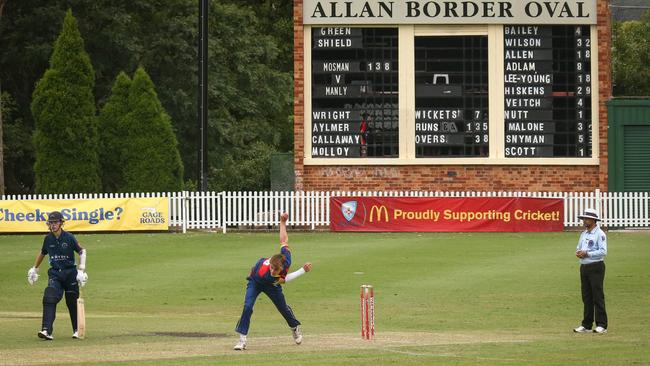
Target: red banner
[(498, 214)]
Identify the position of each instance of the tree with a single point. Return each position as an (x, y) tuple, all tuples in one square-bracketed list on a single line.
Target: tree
[(63, 107), (631, 57), (112, 130), (245, 168), (152, 162), (248, 98), (17, 143), (161, 35), (118, 35), (2, 163)]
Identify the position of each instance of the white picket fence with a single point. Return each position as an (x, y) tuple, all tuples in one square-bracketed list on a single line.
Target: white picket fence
[(310, 209)]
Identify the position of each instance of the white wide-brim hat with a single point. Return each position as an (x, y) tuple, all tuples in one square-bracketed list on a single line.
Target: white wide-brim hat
[(590, 213)]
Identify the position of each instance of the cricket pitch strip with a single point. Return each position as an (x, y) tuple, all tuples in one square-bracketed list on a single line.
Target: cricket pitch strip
[(222, 346)]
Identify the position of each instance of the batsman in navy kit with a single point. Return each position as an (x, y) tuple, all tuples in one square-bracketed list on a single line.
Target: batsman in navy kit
[(64, 277), (267, 275)]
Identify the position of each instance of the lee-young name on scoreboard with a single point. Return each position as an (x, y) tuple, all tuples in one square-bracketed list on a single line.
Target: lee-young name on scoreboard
[(449, 12), (536, 79)]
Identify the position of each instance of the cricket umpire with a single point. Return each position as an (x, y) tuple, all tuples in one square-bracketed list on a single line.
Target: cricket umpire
[(591, 250), (63, 276)]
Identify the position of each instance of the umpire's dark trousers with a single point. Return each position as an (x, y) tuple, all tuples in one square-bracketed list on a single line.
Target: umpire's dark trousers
[(592, 277)]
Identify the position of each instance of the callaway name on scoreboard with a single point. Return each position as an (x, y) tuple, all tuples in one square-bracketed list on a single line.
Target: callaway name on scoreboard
[(486, 82)]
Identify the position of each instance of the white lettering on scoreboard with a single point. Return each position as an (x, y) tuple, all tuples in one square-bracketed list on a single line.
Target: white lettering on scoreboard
[(535, 102), (449, 12)]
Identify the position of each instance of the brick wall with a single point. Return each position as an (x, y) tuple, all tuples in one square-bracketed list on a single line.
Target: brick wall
[(454, 178), (604, 84), (298, 96)]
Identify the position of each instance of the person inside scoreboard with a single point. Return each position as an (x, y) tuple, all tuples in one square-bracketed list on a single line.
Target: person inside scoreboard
[(63, 276), (267, 275)]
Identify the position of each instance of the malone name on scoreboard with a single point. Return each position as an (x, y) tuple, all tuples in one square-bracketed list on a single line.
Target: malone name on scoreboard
[(449, 12)]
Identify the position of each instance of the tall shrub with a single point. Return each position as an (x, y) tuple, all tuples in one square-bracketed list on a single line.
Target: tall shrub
[(152, 162), (63, 106), (112, 130)]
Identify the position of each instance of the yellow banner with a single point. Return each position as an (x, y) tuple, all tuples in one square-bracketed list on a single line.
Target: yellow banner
[(106, 214)]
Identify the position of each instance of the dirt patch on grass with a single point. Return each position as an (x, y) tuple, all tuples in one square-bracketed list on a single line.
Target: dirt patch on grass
[(218, 344), (19, 316), (187, 334)]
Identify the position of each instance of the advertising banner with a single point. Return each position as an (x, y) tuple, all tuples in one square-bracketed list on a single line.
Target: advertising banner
[(106, 214), (445, 214)]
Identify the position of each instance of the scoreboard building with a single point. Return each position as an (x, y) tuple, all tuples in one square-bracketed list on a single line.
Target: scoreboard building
[(451, 95)]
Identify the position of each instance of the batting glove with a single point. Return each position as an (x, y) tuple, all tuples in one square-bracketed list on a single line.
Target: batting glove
[(32, 275), (82, 277)]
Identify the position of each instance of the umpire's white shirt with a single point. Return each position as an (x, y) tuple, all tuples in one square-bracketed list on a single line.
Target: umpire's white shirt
[(595, 243)]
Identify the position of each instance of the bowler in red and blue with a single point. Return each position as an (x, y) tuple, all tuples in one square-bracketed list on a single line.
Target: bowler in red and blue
[(267, 276)]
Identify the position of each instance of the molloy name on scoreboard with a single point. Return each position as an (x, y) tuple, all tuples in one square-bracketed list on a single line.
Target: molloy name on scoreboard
[(449, 12)]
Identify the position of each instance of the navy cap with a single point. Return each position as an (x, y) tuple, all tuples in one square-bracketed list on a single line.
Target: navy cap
[(54, 216)]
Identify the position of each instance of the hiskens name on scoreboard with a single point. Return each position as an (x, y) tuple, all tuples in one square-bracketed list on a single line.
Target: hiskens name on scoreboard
[(449, 12)]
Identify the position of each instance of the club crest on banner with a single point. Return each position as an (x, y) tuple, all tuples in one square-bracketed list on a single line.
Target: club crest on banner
[(349, 209)]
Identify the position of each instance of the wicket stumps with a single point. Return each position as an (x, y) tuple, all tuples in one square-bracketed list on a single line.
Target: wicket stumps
[(367, 312)]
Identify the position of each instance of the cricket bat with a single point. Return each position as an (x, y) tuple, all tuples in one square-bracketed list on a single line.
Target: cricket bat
[(81, 317)]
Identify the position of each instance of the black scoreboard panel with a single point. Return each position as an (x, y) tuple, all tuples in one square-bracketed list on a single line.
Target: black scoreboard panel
[(451, 96), (547, 76), (355, 111)]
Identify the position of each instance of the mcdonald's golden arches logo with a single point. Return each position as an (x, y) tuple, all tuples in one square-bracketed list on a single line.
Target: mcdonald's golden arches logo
[(379, 211)]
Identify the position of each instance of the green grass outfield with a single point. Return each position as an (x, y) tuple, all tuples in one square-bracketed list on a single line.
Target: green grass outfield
[(443, 299)]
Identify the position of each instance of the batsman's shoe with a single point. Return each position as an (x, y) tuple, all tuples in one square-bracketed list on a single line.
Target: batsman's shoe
[(75, 335), (581, 329), (297, 334), (240, 346), (600, 330), (45, 335)]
